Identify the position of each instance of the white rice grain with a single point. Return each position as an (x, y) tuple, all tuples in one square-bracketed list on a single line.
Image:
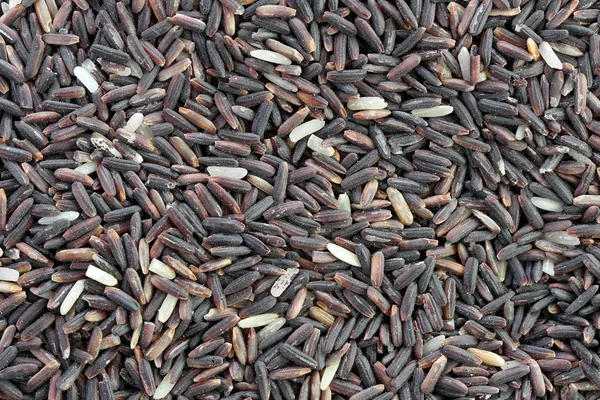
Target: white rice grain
[(86, 79), (487, 221), (283, 282), (9, 274), (568, 86), (68, 215), (305, 129), (366, 103), (72, 296), (135, 336), (145, 130), (329, 373), (550, 56), (502, 265), (547, 204), (270, 329), (9, 287), (258, 320), (100, 276), (87, 168), (482, 76), (164, 388), (561, 237), (227, 172), (166, 308), (520, 133), (344, 255), (162, 269), (433, 112), (271, 56), (316, 143), (344, 201), (134, 122), (464, 59), (548, 266), (147, 289), (144, 255)]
